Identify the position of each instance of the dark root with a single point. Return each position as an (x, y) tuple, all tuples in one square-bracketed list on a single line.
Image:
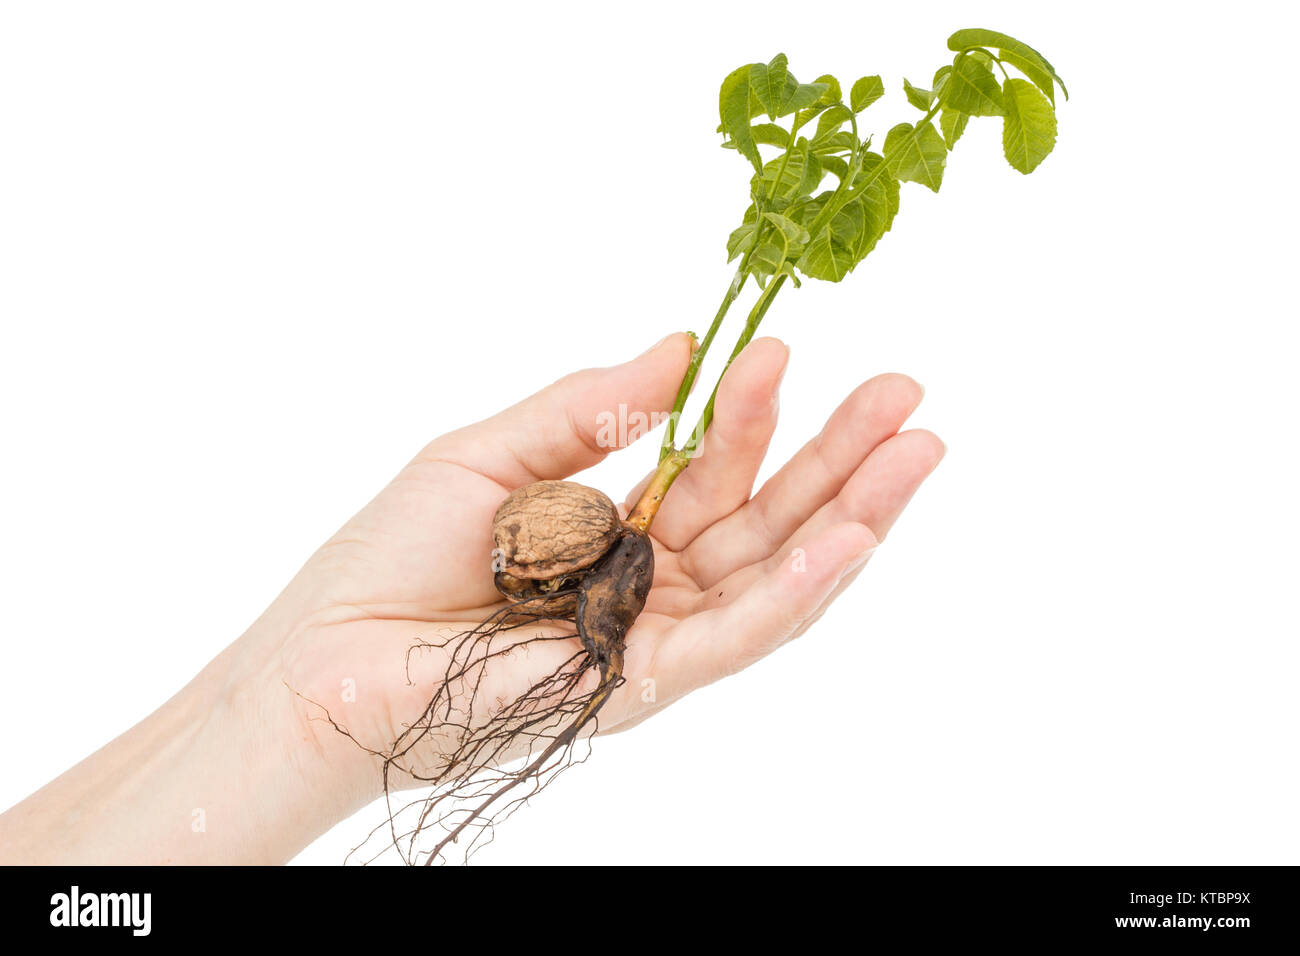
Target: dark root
[(479, 758)]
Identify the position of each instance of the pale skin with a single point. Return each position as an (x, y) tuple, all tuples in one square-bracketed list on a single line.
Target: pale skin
[(240, 748)]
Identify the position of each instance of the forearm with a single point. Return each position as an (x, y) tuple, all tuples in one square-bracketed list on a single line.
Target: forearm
[(224, 772)]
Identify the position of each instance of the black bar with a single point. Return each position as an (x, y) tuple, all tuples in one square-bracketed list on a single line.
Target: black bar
[(1223, 907)]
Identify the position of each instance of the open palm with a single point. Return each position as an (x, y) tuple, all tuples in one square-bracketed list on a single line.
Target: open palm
[(735, 576)]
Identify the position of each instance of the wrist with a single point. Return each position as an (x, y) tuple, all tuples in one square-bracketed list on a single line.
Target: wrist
[(211, 776), (287, 775)]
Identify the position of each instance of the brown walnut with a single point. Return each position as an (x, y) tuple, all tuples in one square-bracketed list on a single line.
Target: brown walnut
[(550, 531)]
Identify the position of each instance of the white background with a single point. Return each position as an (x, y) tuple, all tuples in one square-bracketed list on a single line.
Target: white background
[(254, 255)]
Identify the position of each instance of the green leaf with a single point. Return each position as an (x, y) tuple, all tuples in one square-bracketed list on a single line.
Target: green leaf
[(794, 233), (812, 173), (829, 123), (767, 259), (916, 154), (827, 100), (805, 94), (787, 242), (972, 88), (799, 174), (778, 91), (826, 259), (837, 167), (952, 124), (847, 224), (733, 108), (880, 198), (940, 78), (832, 94), (835, 143), (741, 238), (769, 134), (769, 82), (1029, 130), (855, 228), (876, 204), (1042, 78), (866, 91), (1020, 55), (918, 97)]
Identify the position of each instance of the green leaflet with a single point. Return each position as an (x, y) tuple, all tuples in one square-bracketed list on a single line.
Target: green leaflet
[(1029, 129), (919, 98), (837, 167), (829, 123), (733, 108), (778, 91), (835, 143), (916, 154), (829, 98), (952, 124), (842, 244), (1020, 55), (940, 80), (848, 224), (826, 259), (855, 228), (833, 94), (866, 91), (769, 83), (971, 88), (741, 238), (811, 174), (1041, 78), (793, 233), (769, 134), (767, 260), (794, 174), (804, 94), (880, 198)]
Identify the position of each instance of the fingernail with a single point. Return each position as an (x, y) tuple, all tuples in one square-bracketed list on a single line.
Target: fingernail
[(858, 562)]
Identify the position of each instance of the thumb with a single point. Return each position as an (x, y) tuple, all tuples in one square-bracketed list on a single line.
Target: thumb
[(575, 422)]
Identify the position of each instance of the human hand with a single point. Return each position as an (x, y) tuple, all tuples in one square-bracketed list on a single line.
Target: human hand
[(239, 746), (416, 562)]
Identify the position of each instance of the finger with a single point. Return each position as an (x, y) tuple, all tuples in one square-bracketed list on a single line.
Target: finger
[(871, 414), (574, 423), (881, 488), (874, 495), (721, 641), (721, 477)]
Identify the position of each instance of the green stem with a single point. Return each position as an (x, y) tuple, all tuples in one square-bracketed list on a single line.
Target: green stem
[(668, 446), (647, 506), (751, 326), (785, 159), (675, 461), (697, 359)]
